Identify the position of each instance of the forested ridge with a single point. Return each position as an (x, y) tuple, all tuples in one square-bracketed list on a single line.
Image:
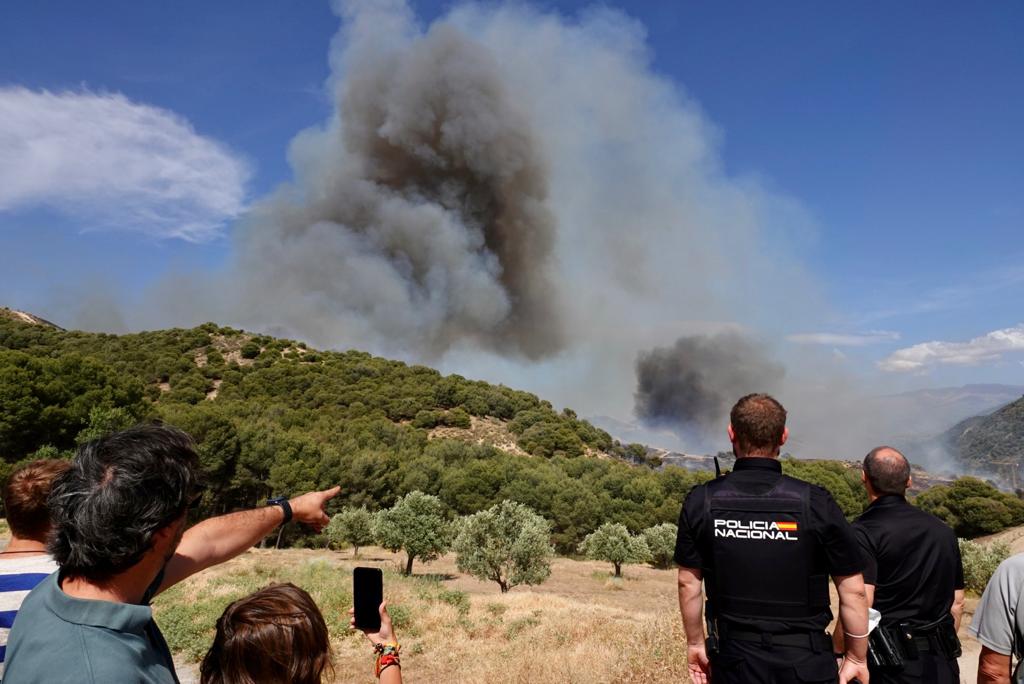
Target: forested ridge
[(991, 443), (272, 416)]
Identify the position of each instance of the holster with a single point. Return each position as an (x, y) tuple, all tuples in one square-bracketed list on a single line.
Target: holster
[(949, 642), (893, 645), (883, 649), (712, 645)]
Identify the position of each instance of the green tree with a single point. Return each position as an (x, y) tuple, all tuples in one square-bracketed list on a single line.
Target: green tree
[(417, 525), (352, 527), (47, 400), (612, 542), (508, 544), (841, 482), (661, 541), (103, 421)]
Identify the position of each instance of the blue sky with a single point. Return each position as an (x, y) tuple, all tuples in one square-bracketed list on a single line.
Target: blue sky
[(895, 126)]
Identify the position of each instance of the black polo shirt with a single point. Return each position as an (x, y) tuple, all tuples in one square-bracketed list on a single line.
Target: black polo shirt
[(914, 561), (837, 549)]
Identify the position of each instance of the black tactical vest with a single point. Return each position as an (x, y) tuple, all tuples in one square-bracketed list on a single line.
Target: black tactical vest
[(764, 561)]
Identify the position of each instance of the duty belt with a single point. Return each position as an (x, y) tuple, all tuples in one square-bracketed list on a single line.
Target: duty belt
[(892, 645), (814, 641)]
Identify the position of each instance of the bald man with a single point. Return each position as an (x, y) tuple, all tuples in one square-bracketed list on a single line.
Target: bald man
[(914, 578)]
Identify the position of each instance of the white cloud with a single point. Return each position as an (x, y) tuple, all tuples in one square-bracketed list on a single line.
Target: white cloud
[(989, 347), (115, 164), (845, 339)]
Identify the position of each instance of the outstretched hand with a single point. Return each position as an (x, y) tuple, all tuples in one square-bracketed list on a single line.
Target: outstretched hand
[(309, 508), (386, 633)]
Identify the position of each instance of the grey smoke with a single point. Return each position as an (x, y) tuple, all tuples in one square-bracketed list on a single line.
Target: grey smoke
[(420, 217), (518, 196), (691, 385)]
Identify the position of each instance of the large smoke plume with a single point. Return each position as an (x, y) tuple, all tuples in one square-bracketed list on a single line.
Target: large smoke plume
[(691, 385), (503, 185), (420, 216), (518, 196)]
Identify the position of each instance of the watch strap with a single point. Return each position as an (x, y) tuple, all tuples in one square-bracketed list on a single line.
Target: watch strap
[(285, 506)]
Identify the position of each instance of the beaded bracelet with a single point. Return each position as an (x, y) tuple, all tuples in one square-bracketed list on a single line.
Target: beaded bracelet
[(387, 655), (385, 662)]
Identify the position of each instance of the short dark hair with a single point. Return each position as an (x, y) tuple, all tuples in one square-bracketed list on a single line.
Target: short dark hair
[(276, 634), (119, 491), (25, 494), (887, 470), (758, 423)]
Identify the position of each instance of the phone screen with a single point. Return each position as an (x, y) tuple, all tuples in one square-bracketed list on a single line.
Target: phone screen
[(367, 595)]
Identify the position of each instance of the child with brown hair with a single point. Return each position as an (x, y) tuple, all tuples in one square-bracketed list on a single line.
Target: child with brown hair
[(278, 635)]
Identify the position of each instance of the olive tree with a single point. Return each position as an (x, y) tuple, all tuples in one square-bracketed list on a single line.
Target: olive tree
[(351, 527), (507, 543), (417, 525), (612, 542), (661, 542)]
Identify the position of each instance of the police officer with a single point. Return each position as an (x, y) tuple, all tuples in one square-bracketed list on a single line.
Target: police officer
[(764, 545), (914, 578)]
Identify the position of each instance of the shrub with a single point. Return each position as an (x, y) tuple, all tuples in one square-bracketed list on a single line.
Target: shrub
[(980, 562), (428, 419), (972, 507), (457, 418), (612, 542), (250, 350), (508, 544)]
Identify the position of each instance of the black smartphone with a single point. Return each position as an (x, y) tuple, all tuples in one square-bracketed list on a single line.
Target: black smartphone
[(367, 595)]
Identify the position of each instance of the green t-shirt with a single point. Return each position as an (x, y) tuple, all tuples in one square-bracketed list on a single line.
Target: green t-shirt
[(57, 639)]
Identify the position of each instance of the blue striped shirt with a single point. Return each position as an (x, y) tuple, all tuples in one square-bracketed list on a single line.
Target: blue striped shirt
[(18, 576)]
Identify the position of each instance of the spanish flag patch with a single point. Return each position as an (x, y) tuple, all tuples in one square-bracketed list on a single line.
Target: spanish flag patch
[(787, 526)]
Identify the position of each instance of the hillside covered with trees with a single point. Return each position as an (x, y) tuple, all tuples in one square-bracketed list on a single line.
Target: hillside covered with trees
[(992, 443), (272, 416)]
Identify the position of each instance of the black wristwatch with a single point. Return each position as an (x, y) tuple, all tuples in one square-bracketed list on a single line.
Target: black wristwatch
[(282, 501)]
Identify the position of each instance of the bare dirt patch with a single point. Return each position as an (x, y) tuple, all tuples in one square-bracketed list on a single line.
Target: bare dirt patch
[(212, 394), (490, 431)]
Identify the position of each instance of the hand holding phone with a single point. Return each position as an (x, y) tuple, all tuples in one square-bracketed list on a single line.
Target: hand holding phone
[(367, 595)]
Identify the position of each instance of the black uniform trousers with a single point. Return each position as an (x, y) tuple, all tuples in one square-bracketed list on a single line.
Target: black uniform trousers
[(929, 668), (749, 662)]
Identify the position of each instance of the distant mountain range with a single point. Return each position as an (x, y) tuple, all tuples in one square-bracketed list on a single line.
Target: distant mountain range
[(947, 405), (918, 421)]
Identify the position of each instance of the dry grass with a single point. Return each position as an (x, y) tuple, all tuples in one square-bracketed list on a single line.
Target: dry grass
[(580, 626)]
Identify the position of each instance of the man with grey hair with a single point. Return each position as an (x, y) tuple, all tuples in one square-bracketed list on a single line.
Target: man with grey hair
[(915, 578), (119, 536)]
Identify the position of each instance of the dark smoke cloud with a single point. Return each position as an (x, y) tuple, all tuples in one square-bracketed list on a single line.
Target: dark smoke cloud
[(691, 385), (420, 216)]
